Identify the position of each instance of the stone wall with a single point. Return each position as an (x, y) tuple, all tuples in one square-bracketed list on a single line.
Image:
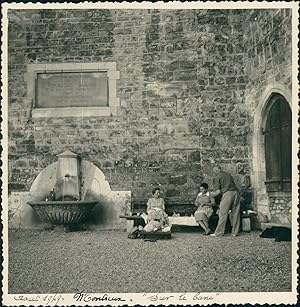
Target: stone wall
[(269, 52), (181, 91), (268, 66), (281, 208)]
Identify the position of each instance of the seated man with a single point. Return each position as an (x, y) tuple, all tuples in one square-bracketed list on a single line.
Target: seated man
[(205, 204)]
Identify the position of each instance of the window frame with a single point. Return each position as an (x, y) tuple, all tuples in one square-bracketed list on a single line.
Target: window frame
[(113, 101)]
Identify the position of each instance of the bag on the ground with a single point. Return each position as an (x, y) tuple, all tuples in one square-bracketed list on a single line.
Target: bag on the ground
[(134, 233)]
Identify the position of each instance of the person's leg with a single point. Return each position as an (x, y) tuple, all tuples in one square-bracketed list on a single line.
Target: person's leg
[(202, 220), (225, 206), (205, 222), (204, 225), (235, 214)]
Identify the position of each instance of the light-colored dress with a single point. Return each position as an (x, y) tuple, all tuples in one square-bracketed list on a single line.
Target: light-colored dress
[(156, 204), (204, 212), (157, 217)]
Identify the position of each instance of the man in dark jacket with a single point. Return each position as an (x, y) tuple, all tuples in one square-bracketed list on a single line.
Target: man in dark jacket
[(224, 185)]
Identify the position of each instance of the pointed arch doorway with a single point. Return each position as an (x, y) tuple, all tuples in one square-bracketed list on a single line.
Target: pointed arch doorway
[(271, 157)]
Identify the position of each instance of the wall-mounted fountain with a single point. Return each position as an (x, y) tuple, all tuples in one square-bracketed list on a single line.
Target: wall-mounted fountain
[(69, 201)]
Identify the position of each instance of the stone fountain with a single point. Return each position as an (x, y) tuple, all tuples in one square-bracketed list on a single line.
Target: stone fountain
[(66, 203)]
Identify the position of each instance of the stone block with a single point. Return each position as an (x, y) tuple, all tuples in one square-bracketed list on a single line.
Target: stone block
[(195, 156), (168, 129), (154, 103), (15, 186), (178, 179), (168, 102), (176, 157), (20, 214), (197, 178), (185, 75), (172, 192)]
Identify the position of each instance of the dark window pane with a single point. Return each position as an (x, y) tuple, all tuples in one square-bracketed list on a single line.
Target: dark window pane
[(71, 89)]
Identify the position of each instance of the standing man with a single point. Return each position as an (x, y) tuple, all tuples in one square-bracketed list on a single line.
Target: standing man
[(224, 185)]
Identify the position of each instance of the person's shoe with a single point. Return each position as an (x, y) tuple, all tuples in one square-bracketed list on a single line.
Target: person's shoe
[(214, 235), (207, 232), (234, 235)]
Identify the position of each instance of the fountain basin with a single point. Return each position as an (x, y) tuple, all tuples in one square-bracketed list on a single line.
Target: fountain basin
[(66, 212)]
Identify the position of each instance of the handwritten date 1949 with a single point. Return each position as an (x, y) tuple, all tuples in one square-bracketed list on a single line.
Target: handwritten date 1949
[(49, 299)]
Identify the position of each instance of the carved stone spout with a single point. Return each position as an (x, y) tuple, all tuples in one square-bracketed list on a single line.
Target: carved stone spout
[(68, 178)]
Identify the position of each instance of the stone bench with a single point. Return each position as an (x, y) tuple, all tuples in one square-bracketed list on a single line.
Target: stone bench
[(184, 210), (185, 218)]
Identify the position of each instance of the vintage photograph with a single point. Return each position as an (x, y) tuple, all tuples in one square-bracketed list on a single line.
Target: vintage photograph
[(149, 150)]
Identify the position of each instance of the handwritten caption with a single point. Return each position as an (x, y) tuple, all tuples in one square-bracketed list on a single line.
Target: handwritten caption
[(54, 299), (160, 297)]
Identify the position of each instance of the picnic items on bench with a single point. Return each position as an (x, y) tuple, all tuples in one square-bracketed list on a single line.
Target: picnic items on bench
[(138, 231)]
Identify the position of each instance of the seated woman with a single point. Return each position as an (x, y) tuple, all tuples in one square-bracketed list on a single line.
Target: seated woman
[(205, 204), (157, 218)]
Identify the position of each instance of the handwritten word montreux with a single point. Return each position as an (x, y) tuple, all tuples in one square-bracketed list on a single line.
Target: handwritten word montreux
[(86, 297)]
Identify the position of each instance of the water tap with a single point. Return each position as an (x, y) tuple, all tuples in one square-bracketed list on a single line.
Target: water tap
[(52, 194)]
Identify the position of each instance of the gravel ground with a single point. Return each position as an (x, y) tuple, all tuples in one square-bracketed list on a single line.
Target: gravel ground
[(106, 261)]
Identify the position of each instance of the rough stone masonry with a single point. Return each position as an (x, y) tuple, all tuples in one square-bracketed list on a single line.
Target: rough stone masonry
[(189, 82)]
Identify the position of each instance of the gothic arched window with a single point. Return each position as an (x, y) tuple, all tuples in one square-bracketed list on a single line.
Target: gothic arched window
[(278, 145)]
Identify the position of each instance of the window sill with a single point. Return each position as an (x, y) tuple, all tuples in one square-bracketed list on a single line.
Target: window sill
[(74, 112)]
